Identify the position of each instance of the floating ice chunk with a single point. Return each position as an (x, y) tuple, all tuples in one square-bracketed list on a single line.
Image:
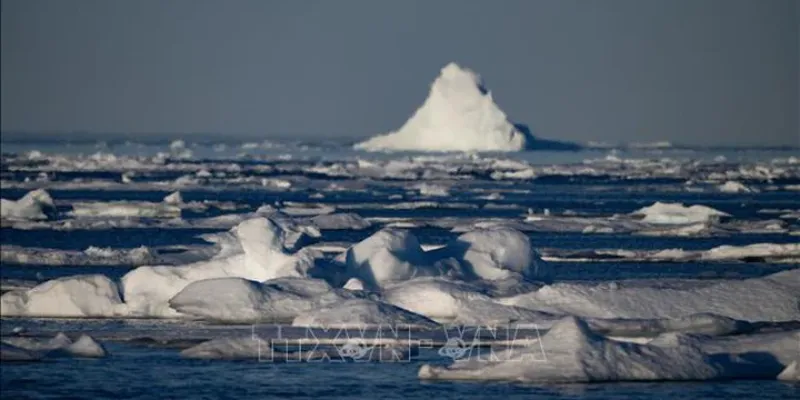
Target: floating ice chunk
[(791, 372), (237, 300), (174, 198), (770, 298), (147, 289), (387, 256), (570, 352), (34, 206), (735, 187), (299, 210), (360, 313), (253, 348), (74, 296), (447, 301), (458, 115), (340, 221), (125, 209), (138, 256), (427, 189), (354, 284), (498, 253), (85, 347), (10, 352), (756, 250), (677, 213), (703, 324)]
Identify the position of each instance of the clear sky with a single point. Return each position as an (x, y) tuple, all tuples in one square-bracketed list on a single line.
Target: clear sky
[(708, 72)]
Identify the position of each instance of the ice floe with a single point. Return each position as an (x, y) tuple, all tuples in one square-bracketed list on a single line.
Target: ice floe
[(237, 300), (74, 296), (125, 209), (360, 313), (770, 298), (91, 256), (571, 352), (676, 213), (791, 372), (34, 206), (148, 289)]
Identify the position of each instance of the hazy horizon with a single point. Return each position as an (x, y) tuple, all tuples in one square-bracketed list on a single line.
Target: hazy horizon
[(708, 72)]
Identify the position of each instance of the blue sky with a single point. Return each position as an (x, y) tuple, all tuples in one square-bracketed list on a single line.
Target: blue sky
[(709, 72)]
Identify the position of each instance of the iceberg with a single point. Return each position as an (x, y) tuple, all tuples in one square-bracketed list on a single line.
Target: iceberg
[(735, 187), (238, 300), (148, 289), (770, 298), (126, 209), (361, 313), (678, 214), (454, 302), (460, 115), (73, 296), (571, 352), (389, 255), (34, 206), (790, 373), (498, 253)]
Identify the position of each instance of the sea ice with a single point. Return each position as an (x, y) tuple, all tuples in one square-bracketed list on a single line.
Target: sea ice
[(769, 298), (361, 313), (74, 296), (147, 289), (238, 300), (677, 213), (735, 187), (498, 253), (126, 209), (387, 256), (571, 352), (790, 373), (33, 206)]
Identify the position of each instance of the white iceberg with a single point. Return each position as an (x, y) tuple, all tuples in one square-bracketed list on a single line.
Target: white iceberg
[(31, 207), (147, 290), (251, 348), (571, 352), (74, 296), (771, 298), (237, 300), (387, 256), (454, 302), (790, 373), (498, 253), (677, 213), (361, 313), (735, 187), (125, 209), (458, 115), (174, 198)]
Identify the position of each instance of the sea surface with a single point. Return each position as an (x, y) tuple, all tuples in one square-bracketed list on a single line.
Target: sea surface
[(136, 371)]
